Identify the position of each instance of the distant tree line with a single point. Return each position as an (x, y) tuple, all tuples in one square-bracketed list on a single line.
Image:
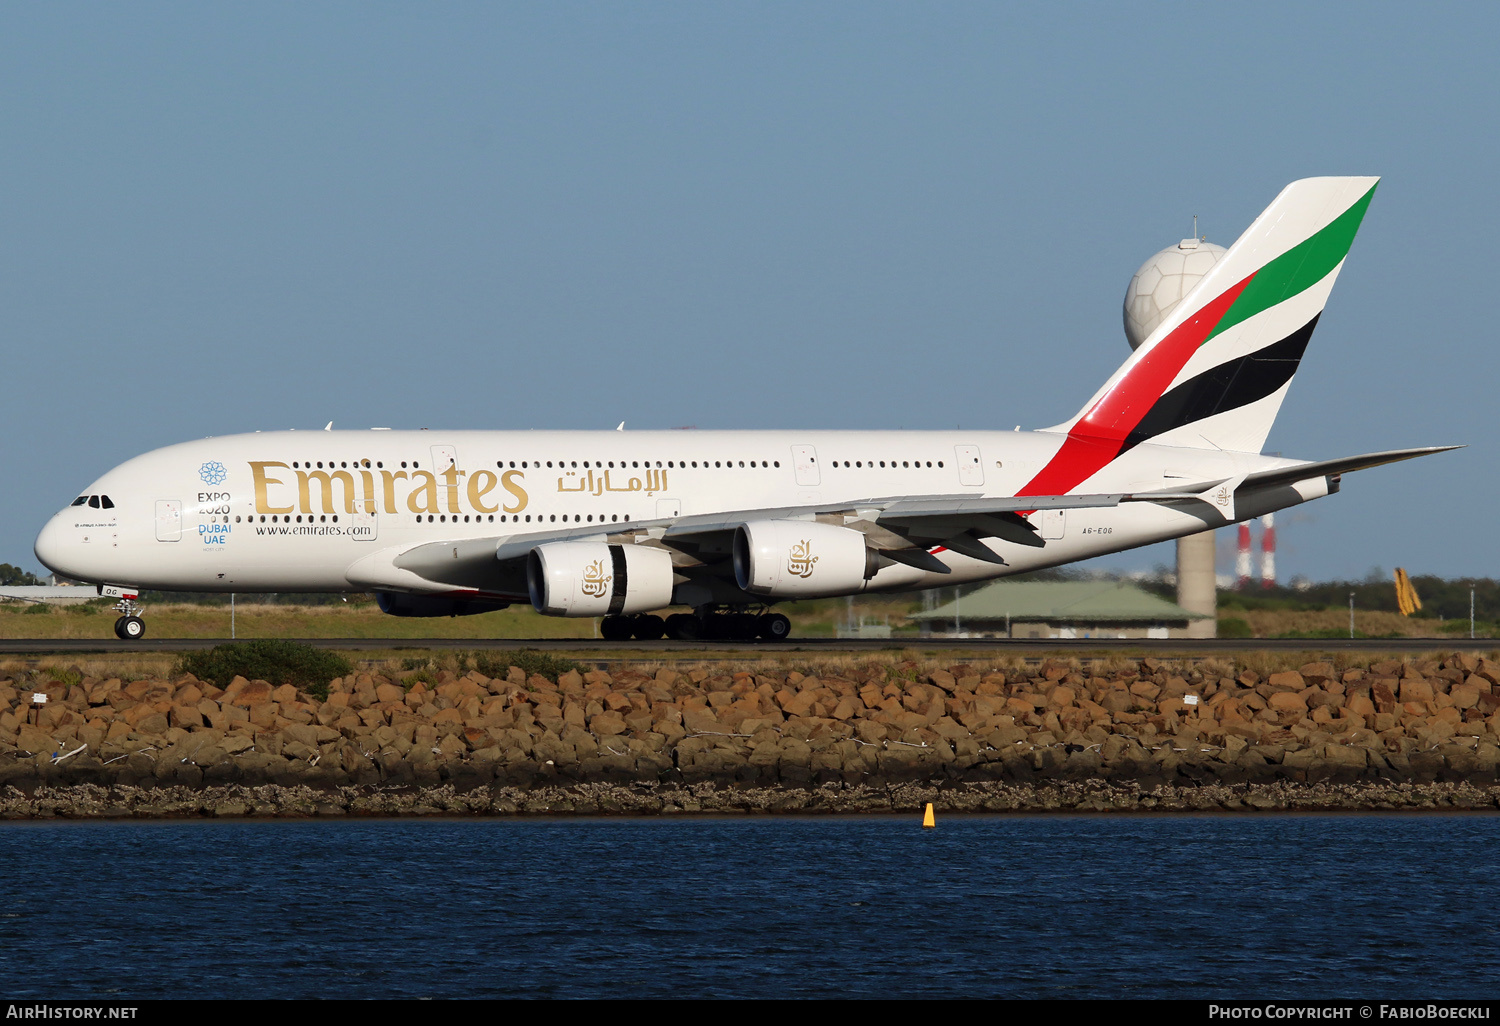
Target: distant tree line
[(15, 577), (283, 598), (1442, 599)]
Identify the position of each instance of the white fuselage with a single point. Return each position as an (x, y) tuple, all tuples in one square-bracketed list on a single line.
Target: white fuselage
[(294, 511)]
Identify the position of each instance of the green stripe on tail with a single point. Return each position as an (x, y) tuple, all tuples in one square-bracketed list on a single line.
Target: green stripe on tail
[(1299, 268)]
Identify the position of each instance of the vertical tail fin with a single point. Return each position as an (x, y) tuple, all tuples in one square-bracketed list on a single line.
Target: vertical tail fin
[(1214, 372)]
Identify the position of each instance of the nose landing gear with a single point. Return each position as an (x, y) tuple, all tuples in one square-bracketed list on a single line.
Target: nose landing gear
[(130, 626)]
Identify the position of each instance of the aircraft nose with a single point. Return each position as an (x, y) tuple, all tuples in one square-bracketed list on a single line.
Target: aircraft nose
[(51, 545)]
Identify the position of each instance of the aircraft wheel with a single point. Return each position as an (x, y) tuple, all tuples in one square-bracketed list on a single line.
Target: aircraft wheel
[(683, 627), (741, 627), (615, 628), (649, 627), (775, 627), (132, 628), (120, 628)]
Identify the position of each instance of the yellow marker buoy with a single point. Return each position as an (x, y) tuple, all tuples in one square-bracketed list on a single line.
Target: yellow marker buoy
[(927, 817)]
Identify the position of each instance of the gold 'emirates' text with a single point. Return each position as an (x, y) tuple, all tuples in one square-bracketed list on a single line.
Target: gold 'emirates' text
[(398, 491)]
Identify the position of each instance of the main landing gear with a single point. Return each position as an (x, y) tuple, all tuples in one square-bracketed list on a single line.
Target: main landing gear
[(130, 626), (706, 623), (644, 627)]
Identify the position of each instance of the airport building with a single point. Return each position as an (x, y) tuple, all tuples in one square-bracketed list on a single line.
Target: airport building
[(1062, 609), (48, 594)]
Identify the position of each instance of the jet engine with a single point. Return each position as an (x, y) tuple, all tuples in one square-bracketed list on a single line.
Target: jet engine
[(596, 579), (398, 604), (801, 559)]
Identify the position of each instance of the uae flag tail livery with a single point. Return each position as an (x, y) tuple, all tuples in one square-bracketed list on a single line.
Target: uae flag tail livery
[(1214, 372)]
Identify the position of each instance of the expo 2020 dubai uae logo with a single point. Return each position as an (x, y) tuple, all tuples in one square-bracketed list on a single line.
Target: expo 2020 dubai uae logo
[(213, 473)]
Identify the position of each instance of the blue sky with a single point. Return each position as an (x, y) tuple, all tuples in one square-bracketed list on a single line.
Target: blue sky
[(230, 217)]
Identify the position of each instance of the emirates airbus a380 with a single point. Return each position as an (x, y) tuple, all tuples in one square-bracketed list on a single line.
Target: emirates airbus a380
[(618, 525)]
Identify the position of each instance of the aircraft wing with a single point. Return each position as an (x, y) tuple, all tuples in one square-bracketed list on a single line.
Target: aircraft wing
[(904, 529)]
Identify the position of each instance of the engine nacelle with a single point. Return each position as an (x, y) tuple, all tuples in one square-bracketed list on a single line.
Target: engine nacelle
[(398, 604), (596, 579), (801, 559)]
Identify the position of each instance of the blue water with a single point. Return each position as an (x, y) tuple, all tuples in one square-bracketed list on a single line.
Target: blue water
[(1226, 907)]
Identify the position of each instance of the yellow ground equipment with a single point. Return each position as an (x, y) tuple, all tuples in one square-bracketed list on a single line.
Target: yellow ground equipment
[(1406, 595)]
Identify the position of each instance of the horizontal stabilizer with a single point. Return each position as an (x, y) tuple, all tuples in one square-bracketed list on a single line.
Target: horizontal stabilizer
[(1346, 465), (1220, 494)]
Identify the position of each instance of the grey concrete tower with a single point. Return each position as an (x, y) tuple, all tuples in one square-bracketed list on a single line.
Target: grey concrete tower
[(1196, 590), (1161, 283)]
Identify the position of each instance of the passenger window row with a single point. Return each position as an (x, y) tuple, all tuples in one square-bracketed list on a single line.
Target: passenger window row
[(537, 464), (442, 518), (636, 464)]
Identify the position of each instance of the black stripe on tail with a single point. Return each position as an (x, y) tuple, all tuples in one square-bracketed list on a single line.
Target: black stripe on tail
[(1228, 386)]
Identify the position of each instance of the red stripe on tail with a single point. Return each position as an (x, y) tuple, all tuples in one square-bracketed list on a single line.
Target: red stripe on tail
[(1099, 434)]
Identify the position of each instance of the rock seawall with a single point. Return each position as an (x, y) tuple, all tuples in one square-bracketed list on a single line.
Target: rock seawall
[(87, 801), (1386, 734)]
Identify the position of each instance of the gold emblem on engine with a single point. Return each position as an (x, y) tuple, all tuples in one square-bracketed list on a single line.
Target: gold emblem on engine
[(800, 559), (595, 580)]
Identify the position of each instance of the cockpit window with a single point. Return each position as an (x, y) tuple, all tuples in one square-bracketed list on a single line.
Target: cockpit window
[(106, 502), (80, 500), (93, 502)]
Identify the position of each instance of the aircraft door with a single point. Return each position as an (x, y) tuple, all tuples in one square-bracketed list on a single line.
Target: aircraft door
[(970, 469), (443, 457), (805, 460), (168, 520), (668, 509), (362, 527), (1054, 524)]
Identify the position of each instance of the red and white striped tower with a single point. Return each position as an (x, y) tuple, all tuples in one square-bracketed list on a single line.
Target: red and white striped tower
[(1268, 551), (1242, 558)]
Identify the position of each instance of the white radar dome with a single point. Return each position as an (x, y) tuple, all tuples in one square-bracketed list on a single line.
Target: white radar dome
[(1162, 283)]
